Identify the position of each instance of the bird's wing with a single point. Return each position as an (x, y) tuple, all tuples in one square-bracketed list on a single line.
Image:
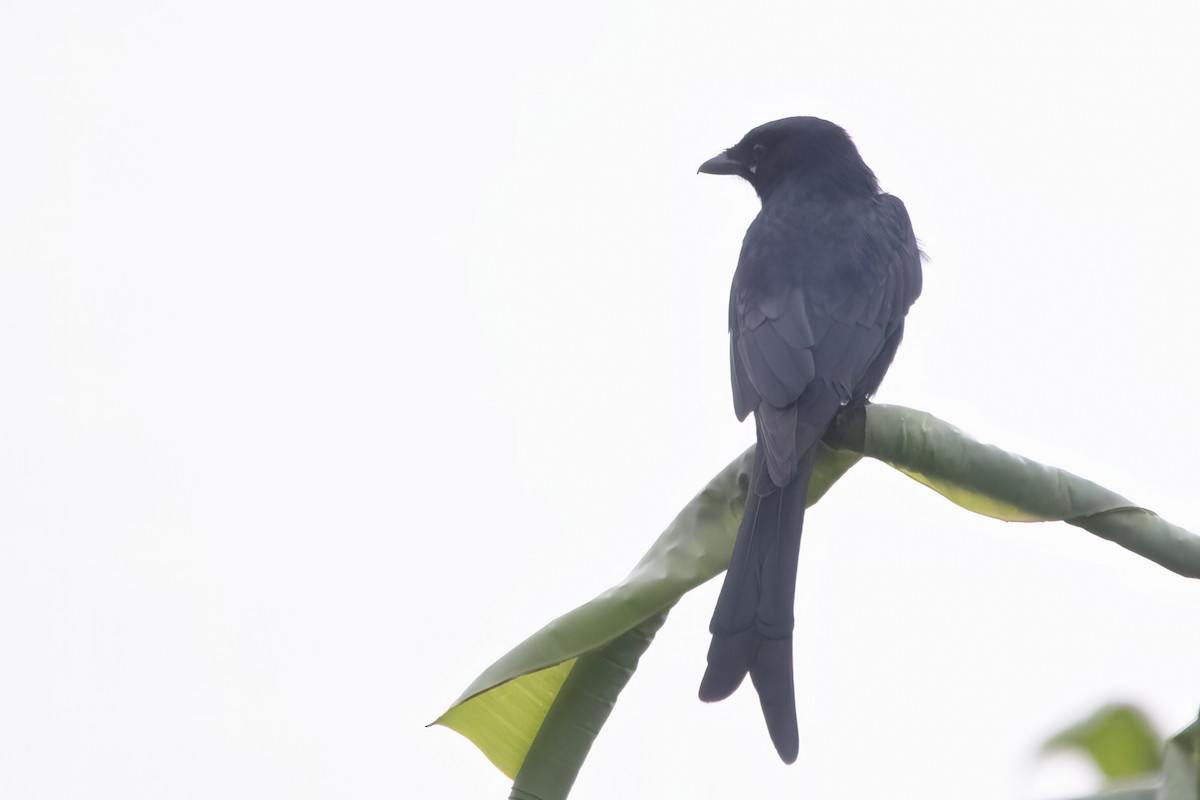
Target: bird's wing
[(801, 348)]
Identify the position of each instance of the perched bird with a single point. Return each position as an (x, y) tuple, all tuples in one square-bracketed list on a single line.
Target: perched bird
[(827, 272)]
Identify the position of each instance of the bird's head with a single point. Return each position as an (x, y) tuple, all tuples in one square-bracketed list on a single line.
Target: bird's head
[(805, 150)]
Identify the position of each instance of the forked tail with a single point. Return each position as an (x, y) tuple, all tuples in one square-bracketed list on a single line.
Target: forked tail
[(752, 624)]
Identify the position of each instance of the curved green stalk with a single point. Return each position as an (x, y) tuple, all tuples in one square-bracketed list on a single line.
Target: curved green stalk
[(535, 712)]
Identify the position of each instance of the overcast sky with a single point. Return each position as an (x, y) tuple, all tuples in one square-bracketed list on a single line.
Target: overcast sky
[(343, 345)]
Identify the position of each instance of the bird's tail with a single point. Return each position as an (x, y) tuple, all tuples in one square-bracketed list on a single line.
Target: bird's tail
[(753, 621)]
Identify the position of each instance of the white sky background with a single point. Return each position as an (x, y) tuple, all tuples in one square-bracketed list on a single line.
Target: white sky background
[(342, 346)]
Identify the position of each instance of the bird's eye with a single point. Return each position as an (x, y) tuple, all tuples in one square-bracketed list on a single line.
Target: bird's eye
[(759, 151)]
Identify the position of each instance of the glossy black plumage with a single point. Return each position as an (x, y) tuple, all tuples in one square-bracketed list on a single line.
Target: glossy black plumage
[(827, 272)]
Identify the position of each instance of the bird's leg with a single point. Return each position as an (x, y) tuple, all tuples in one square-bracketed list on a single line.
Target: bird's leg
[(849, 428)]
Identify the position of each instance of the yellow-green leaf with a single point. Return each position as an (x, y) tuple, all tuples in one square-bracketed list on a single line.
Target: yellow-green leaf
[(1118, 738)]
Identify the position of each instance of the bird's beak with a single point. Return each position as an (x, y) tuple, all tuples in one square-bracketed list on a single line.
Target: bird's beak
[(722, 165)]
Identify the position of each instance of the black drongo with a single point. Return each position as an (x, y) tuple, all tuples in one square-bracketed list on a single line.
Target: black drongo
[(828, 269)]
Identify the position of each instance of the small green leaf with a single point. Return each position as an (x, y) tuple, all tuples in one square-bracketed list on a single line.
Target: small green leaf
[(1118, 738)]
